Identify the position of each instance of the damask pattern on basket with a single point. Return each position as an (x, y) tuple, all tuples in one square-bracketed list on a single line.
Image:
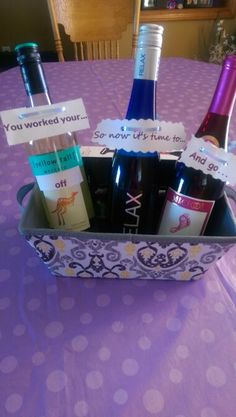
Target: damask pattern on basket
[(96, 258)]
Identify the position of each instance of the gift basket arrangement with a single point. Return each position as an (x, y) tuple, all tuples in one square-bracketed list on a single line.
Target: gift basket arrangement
[(159, 212)]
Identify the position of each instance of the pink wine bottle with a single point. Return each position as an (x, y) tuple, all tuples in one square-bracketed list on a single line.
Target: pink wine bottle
[(191, 197)]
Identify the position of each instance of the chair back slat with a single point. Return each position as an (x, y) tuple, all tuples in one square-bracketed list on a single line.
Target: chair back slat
[(94, 26)]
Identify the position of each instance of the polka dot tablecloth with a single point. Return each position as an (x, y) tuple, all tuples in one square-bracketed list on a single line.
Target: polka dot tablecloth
[(86, 348)]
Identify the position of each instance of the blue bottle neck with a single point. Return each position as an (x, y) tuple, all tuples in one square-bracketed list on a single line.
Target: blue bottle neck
[(142, 104)]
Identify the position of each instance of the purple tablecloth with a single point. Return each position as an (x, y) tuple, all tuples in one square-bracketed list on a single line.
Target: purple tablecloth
[(77, 348)]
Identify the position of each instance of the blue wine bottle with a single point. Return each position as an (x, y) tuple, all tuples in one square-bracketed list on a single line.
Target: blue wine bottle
[(134, 195)]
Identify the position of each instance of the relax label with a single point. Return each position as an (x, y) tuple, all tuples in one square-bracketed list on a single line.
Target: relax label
[(146, 64), (26, 124), (140, 135), (204, 156)]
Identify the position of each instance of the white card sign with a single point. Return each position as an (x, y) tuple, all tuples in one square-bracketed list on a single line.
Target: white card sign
[(25, 124), (210, 159), (140, 135)]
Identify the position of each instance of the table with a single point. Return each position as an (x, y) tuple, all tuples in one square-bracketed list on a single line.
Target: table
[(77, 348)]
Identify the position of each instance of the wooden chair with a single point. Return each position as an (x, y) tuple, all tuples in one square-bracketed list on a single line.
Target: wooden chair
[(94, 26)]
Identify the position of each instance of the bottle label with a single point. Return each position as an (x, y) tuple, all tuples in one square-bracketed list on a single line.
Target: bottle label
[(184, 215), (59, 178), (52, 162), (132, 209), (146, 64)]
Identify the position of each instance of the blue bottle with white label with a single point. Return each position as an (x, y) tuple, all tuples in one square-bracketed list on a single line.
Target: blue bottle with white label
[(55, 161), (134, 193)]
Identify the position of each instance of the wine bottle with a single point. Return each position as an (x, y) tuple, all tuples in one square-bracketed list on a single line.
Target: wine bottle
[(55, 161), (135, 174), (191, 197)]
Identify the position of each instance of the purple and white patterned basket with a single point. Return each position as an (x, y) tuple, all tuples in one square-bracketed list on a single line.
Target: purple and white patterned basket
[(100, 255)]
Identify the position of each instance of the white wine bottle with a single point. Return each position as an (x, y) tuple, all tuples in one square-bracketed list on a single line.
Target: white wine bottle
[(55, 161)]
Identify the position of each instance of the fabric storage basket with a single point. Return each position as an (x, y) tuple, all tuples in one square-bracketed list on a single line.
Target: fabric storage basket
[(107, 255)]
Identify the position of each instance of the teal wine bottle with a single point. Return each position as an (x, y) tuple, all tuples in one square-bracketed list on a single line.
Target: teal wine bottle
[(55, 161), (134, 195), (191, 197)]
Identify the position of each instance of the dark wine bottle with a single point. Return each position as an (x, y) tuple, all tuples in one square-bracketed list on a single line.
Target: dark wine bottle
[(134, 195), (191, 197), (55, 161)]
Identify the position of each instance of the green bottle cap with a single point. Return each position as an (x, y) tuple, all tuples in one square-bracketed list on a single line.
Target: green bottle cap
[(27, 52), (26, 45)]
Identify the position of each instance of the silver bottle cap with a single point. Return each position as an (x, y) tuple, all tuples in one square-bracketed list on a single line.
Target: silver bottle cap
[(150, 35)]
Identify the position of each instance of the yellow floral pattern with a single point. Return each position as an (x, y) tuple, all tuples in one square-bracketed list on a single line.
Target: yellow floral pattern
[(70, 272), (124, 274), (60, 244), (146, 253), (195, 250), (130, 248), (185, 276), (176, 253)]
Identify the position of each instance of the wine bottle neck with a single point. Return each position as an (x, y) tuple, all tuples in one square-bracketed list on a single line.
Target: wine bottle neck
[(225, 93), (142, 104), (147, 63), (39, 99), (34, 80)]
